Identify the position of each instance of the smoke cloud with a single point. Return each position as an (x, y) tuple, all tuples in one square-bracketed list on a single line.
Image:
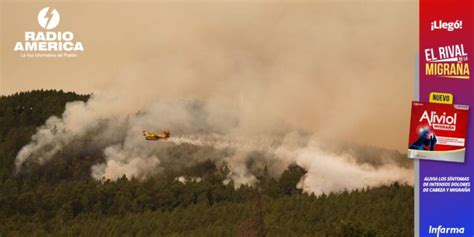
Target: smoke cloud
[(257, 86), (104, 125)]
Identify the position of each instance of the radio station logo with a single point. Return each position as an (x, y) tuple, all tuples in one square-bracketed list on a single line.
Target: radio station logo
[(49, 44), (447, 62), (48, 19)]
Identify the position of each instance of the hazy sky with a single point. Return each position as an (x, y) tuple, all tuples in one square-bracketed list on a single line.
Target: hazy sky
[(350, 60)]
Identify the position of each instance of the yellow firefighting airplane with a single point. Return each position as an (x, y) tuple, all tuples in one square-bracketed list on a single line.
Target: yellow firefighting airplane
[(150, 135)]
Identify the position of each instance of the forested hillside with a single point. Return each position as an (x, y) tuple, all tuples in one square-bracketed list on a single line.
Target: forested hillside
[(60, 198)]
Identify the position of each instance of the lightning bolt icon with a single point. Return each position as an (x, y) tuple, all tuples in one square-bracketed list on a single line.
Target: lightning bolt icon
[(48, 17)]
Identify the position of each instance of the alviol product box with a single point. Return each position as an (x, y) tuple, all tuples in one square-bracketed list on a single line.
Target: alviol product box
[(438, 132)]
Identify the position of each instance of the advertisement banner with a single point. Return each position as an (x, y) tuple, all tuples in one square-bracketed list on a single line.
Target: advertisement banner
[(445, 202)]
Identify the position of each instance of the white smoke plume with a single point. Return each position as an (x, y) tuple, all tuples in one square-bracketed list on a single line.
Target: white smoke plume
[(118, 135)]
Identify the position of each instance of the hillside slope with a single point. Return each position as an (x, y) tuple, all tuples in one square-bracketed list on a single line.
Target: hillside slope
[(60, 197)]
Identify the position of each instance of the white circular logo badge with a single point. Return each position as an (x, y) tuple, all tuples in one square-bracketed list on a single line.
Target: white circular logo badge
[(48, 19)]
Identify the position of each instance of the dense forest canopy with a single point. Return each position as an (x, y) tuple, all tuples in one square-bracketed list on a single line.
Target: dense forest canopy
[(60, 197)]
